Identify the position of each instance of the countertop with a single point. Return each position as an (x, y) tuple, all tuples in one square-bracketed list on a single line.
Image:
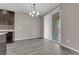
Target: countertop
[(5, 31)]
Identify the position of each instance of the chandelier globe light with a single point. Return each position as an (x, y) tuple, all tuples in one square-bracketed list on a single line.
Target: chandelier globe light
[(33, 12)]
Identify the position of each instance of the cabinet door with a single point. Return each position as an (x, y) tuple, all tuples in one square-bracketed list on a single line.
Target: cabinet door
[(10, 17), (6, 17), (0, 18), (9, 37), (2, 44), (3, 19)]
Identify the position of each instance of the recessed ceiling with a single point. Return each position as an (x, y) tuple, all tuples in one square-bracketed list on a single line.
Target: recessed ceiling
[(42, 8)]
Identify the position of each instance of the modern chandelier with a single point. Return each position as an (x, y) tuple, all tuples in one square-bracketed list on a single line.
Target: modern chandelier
[(33, 12)]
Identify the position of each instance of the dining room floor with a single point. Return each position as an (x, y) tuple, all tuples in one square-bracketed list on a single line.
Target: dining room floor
[(37, 46)]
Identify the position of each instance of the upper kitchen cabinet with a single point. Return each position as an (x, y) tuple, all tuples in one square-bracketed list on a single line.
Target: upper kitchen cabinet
[(6, 17), (10, 18)]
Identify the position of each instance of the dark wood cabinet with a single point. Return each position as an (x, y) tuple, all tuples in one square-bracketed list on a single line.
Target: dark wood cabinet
[(2, 18), (3, 44), (9, 37), (6, 17), (10, 18)]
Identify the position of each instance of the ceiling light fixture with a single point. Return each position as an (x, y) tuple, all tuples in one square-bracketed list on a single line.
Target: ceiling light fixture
[(33, 12)]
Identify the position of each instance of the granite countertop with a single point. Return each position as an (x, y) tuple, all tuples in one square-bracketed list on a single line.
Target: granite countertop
[(3, 33), (10, 30)]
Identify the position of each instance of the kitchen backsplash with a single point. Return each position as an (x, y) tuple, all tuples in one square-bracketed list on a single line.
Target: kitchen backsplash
[(6, 27)]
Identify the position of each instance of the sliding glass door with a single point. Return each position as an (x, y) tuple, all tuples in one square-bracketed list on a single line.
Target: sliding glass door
[(56, 27)]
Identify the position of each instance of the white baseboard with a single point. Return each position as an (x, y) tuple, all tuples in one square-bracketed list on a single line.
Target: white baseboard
[(70, 48), (27, 38), (66, 46)]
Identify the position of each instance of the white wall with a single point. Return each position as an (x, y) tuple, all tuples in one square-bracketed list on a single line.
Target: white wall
[(48, 27), (27, 27), (70, 25)]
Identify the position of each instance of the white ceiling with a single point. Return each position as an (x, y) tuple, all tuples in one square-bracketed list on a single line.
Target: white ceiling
[(42, 8)]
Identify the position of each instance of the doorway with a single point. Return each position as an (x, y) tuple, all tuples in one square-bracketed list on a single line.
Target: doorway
[(56, 28)]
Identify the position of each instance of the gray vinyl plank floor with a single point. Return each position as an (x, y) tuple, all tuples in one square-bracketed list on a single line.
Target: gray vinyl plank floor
[(37, 47)]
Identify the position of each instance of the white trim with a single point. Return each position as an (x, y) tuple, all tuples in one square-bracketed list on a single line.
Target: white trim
[(27, 38), (56, 42), (70, 48), (66, 46), (58, 9)]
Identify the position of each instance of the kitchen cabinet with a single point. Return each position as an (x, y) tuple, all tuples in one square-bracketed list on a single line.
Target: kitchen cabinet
[(2, 44), (9, 37), (6, 17)]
